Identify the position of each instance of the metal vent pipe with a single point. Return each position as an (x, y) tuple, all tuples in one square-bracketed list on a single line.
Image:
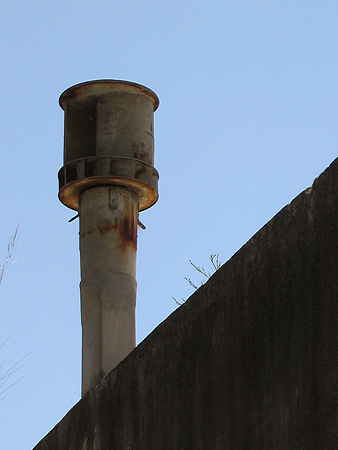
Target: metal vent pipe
[(108, 177)]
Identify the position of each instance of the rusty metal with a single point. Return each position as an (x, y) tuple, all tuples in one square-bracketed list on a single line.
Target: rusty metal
[(108, 239), (108, 177), (78, 175), (108, 140)]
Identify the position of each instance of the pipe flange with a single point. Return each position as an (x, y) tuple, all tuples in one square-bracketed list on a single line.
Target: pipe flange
[(81, 174)]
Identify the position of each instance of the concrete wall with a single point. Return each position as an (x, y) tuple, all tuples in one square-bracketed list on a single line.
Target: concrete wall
[(249, 362)]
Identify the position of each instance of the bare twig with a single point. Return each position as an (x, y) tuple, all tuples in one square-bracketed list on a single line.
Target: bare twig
[(177, 302), (191, 283), (5, 375), (214, 258), (9, 372), (9, 258)]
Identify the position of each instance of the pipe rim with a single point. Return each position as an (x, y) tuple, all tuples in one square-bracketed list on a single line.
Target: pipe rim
[(84, 92)]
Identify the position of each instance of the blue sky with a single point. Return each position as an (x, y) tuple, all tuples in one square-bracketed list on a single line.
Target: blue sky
[(247, 119)]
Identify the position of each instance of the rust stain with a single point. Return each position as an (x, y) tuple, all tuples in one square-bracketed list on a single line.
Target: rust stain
[(140, 171), (127, 229), (140, 152), (88, 232), (106, 226)]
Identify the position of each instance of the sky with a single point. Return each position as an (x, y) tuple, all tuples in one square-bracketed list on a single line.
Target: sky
[(247, 120)]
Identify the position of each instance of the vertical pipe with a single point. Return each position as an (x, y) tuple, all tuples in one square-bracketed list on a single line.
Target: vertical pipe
[(108, 235), (108, 177)]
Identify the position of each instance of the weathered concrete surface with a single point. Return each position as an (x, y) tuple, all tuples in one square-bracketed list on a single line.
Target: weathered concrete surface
[(249, 362)]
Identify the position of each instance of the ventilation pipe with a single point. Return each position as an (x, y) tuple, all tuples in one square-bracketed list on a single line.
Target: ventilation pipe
[(108, 177)]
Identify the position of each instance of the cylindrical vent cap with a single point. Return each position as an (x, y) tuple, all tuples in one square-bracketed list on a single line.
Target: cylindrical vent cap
[(108, 140)]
